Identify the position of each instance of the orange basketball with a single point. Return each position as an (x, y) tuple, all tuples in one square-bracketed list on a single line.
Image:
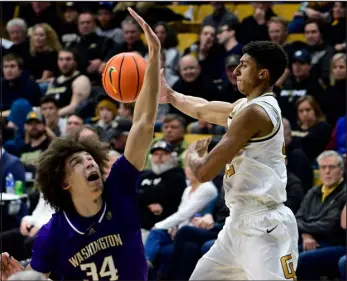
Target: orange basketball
[(123, 76)]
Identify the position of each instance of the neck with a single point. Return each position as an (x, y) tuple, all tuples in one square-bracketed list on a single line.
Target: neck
[(258, 91), (232, 42), (38, 141), (87, 209), (194, 185), (53, 123), (39, 48)]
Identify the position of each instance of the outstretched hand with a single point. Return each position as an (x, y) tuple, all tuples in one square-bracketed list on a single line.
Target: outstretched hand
[(151, 38), (165, 89), (200, 147), (9, 266)]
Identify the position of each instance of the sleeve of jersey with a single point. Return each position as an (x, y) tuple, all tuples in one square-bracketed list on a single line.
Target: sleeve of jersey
[(42, 253), (123, 177)]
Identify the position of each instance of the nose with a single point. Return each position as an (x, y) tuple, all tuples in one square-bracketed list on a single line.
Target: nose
[(90, 165)]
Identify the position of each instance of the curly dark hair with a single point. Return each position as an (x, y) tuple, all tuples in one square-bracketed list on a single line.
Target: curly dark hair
[(270, 56), (51, 167)]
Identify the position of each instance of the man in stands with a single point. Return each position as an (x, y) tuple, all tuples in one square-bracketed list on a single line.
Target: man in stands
[(319, 216), (71, 88), (74, 122), (50, 112), (161, 188)]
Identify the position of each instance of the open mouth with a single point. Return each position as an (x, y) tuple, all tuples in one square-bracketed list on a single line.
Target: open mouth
[(93, 176)]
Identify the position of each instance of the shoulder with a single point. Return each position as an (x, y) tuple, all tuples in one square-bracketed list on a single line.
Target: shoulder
[(82, 79), (122, 168), (48, 232)]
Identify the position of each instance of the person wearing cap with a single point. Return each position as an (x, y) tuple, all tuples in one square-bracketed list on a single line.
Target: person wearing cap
[(118, 135), (69, 30), (300, 83), (36, 138), (161, 188), (106, 23)]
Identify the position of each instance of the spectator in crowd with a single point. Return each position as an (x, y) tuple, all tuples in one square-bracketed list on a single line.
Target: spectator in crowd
[(132, 40), (170, 76), (50, 112), (119, 134), (337, 30), (295, 191), (17, 30), (319, 215), (321, 52), (106, 111), (313, 132), (338, 137), (193, 82), (227, 37), (334, 99), (40, 12), (203, 127), (196, 197), (71, 87), (297, 162), (10, 164), (229, 91), (218, 16), (126, 110), (208, 53), (44, 48), (69, 30), (191, 241), (342, 261), (16, 84), (92, 48), (169, 42), (299, 84), (19, 241), (174, 127), (106, 23), (74, 122), (278, 33), (160, 189), (36, 139), (254, 27), (319, 220)]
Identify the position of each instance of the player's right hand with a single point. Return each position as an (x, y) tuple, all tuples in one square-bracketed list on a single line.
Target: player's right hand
[(24, 228), (152, 40), (9, 266), (165, 89)]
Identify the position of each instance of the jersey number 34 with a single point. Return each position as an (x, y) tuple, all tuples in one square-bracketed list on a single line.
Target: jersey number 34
[(107, 270)]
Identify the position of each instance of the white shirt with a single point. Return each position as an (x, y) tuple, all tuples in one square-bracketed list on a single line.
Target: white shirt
[(191, 203)]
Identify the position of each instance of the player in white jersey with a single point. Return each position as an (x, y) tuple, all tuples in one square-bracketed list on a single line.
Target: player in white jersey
[(260, 238)]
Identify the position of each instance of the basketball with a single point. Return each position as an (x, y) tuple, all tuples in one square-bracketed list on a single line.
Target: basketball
[(123, 76)]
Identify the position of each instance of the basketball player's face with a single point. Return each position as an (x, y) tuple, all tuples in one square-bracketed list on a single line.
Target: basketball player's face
[(83, 177), (247, 74)]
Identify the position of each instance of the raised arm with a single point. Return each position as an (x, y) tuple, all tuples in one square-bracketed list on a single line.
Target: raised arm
[(141, 134), (215, 112)]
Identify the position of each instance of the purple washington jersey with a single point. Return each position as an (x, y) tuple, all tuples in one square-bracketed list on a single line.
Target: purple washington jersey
[(111, 249)]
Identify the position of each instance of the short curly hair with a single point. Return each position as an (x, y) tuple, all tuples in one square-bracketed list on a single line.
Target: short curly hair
[(270, 56), (50, 172)]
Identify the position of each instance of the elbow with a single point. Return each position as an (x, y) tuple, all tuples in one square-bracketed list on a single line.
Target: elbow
[(202, 175)]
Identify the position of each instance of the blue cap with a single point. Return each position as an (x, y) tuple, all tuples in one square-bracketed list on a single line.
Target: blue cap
[(163, 145), (302, 56)]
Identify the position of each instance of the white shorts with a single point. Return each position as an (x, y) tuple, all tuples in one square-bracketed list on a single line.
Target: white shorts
[(259, 245)]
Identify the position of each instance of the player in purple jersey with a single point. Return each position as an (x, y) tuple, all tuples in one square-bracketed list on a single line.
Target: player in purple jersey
[(95, 233)]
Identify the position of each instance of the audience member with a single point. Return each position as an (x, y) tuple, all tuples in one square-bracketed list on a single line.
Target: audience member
[(160, 189), (313, 132), (321, 52), (126, 110), (219, 15), (50, 112), (227, 37), (337, 28), (16, 84), (299, 84), (71, 87), (69, 30), (74, 122), (119, 134)]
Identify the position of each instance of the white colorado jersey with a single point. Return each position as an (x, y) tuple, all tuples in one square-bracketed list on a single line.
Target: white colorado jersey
[(258, 172)]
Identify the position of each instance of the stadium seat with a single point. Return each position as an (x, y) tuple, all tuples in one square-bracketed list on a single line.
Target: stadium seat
[(202, 11), (189, 138), (182, 9), (285, 11), (296, 37), (185, 40), (316, 178)]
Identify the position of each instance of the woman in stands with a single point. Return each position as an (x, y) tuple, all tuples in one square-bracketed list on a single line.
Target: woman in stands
[(312, 133)]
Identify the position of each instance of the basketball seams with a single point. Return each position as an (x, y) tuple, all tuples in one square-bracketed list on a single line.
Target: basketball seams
[(138, 78), (119, 77)]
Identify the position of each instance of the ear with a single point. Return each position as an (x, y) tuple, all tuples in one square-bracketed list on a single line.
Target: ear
[(66, 186), (264, 74)]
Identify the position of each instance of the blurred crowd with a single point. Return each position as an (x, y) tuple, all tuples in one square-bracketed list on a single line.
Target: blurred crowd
[(53, 55)]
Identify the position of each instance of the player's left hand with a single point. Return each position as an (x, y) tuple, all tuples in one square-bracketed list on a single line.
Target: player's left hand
[(200, 147), (151, 38)]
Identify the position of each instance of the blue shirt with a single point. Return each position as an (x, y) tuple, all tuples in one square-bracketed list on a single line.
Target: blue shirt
[(105, 247)]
